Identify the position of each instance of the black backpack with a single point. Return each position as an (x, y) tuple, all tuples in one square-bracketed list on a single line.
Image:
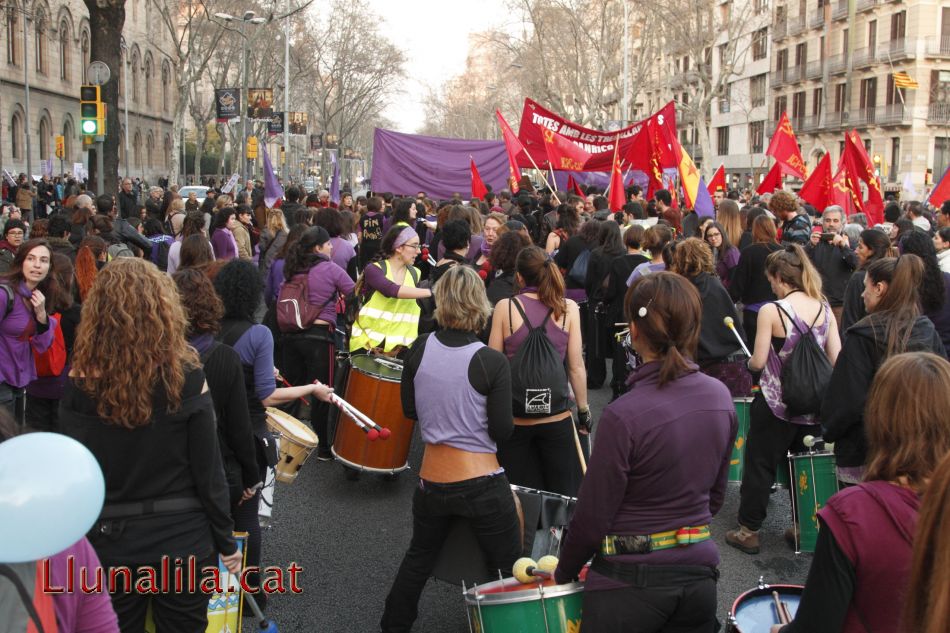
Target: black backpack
[(806, 372), (538, 378), (578, 271)]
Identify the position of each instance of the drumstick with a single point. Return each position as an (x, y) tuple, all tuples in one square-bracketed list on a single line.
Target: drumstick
[(732, 326), (357, 415), (580, 451), (780, 609)]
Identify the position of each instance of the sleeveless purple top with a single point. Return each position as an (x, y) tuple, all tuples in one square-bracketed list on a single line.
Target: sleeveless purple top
[(450, 411), (536, 311)]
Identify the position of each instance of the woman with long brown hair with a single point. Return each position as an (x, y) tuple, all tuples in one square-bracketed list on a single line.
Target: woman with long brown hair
[(90, 258), (774, 429), (928, 594), (540, 453), (657, 476), (749, 285), (894, 325), (873, 244), (858, 580), (152, 429)]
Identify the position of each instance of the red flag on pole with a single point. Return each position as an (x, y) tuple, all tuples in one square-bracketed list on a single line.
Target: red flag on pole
[(562, 153), (513, 148), (718, 182), (479, 190), (845, 192), (818, 188), (784, 148), (772, 180), (859, 167), (573, 187), (617, 194), (941, 190)]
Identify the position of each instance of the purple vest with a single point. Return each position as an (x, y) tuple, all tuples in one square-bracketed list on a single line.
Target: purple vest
[(450, 411)]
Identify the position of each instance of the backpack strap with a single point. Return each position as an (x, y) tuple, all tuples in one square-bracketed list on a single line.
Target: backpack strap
[(792, 319), (531, 328), (9, 292), (234, 332)]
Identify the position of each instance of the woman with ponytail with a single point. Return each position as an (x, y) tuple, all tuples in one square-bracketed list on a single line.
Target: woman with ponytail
[(90, 258), (541, 451), (308, 355), (894, 325), (773, 429), (660, 464)]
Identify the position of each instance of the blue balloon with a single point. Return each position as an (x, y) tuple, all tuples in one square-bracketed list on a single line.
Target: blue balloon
[(51, 492)]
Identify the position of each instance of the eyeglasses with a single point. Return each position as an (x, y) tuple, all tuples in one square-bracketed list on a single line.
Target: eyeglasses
[(15, 233), (415, 246)]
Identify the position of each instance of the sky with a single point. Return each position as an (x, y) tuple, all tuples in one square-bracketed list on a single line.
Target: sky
[(434, 34)]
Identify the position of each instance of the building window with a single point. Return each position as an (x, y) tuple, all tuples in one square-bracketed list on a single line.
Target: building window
[(11, 37), (801, 54), (898, 25), (137, 148), (67, 141), (134, 79), (149, 149), (148, 83), (45, 128), (868, 93), (722, 140), (781, 105), (757, 90), (64, 51), (39, 37), (84, 47), (16, 136), (798, 105), (756, 137), (840, 90), (725, 101), (167, 153), (166, 79), (816, 97), (760, 43)]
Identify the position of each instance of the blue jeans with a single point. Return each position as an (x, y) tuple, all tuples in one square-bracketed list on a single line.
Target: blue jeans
[(12, 400), (487, 503)]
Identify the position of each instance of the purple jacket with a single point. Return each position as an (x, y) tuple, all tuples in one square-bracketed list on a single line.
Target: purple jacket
[(224, 245), (78, 611), (324, 281), (16, 354), (342, 253), (660, 462)]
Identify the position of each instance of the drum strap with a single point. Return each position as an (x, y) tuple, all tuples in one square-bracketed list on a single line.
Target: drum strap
[(652, 575), (644, 544)]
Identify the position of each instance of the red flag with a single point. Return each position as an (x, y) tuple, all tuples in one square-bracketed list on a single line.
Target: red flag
[(859, 166), (617, 194), (784, 148), (479, 190), (562, 153), (513, 148), (718, 182), (573, 187), (941, 191), (655, 172), (818, 188), (772, 180), (845, 192)]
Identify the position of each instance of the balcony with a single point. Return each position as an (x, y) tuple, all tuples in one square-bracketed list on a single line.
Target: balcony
[(817, 19), (810, 123), (779, 30), (865, 5), (840, 11), (794, 74), (796, 25), (777, 78), (797, 122), (836, 119), (901, 48), (863, 117), (938, 46), (837, 64), (938, 114), (863, 57), (814, 70), (894, 114)]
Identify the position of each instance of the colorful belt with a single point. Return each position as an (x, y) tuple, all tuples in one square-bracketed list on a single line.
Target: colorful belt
[(644, 544)]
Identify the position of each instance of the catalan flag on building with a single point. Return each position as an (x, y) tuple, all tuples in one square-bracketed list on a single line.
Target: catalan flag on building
[(903, 80)]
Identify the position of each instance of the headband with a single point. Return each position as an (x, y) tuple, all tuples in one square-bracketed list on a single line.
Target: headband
[(404, 236)]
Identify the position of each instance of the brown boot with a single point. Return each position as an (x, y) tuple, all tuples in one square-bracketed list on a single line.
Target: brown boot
[(791, 536), (744, 539)]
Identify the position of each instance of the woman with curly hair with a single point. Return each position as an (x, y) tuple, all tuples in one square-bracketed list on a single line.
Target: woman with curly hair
[(153, 432), (503, 255), (238, 284), (90, 258)]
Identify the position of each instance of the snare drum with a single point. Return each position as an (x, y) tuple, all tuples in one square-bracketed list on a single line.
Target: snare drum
[(296, 443), (508, 606), (814, 481), (737, 460), (373, 388), (755, 611)]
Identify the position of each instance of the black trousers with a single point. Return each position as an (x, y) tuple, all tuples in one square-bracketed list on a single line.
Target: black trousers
[(42, 414), (309, 356), (750, 321), (180, 612), (618, 383), (542, 456), (767, 446), (488, 504), (672, 608)]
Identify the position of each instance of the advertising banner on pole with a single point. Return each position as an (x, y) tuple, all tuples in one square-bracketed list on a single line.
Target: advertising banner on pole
[(260, 104), (227, 104)]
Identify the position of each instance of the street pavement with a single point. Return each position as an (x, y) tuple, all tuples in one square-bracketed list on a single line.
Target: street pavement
[(350, 536)]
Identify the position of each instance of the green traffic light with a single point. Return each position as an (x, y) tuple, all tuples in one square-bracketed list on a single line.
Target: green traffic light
[(89, 127)]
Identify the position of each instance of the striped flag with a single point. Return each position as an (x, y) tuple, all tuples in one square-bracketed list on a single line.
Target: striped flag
[(903, 80)]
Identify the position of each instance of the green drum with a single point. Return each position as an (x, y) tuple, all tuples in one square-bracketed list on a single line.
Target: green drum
[(814, 483), (508, 606), (737, 460)]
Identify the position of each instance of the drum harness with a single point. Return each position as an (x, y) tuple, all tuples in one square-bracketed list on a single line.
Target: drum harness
[(640, 575)]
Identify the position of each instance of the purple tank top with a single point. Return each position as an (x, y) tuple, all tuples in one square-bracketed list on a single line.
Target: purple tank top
[(536, 311), (450, 411)]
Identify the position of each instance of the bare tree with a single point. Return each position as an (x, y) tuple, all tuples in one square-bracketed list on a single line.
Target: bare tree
[(106, 19)]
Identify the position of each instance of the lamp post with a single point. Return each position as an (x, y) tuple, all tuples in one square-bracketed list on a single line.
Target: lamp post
[(625, 110), (26, 102), (125, 98), (248, 16)]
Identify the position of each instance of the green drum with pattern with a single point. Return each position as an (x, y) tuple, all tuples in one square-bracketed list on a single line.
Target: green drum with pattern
[(508, 606), (814, 483), (737, 460)]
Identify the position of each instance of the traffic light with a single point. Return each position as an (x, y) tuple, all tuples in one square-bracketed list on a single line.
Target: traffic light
[(92, 111), (251, 147), (60, 146)]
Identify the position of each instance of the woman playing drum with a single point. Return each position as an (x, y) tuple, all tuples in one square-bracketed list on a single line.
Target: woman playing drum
[(864, 547), (390, 317), (460, 392), (657, 476)]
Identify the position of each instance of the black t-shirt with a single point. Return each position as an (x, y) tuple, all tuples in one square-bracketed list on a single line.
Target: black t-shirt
[(371, 228)]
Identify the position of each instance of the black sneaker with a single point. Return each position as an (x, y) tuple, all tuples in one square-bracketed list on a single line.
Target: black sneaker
[(324, 456)]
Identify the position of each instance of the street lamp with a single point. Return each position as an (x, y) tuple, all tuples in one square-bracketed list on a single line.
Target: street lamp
[(125, 98), (248, 16)]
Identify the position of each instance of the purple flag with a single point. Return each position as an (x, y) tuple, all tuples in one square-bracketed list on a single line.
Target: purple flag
[(335, 182), (272, 189), (704, 205)]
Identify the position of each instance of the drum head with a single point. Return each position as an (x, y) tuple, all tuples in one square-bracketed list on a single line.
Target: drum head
[(755, 611), (291, 427), (382, 367)]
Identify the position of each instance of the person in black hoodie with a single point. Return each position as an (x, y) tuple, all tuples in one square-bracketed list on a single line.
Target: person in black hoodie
[(620, 270), (608, 248), (894, 325), (719, 354)]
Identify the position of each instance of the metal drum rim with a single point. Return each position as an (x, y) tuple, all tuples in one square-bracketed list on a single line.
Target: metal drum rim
[(529, 594), (754, 590), (369, 373)]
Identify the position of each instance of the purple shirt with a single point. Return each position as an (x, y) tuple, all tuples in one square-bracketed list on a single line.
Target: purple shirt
[(256, 349), (16, 354), (224, 244), (725, 265), (342, 252), (324, 281), (660, 462), (645, 268), (376, 280), (275, 277), (77, 611)]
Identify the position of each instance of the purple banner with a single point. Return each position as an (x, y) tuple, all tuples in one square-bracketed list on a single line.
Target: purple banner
[(409, 163)]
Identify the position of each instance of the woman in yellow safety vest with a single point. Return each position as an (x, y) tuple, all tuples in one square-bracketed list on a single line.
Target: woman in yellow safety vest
[(389, 319)]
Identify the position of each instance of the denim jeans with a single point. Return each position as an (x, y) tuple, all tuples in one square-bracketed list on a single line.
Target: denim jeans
[(12, 399), (487, 503)]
